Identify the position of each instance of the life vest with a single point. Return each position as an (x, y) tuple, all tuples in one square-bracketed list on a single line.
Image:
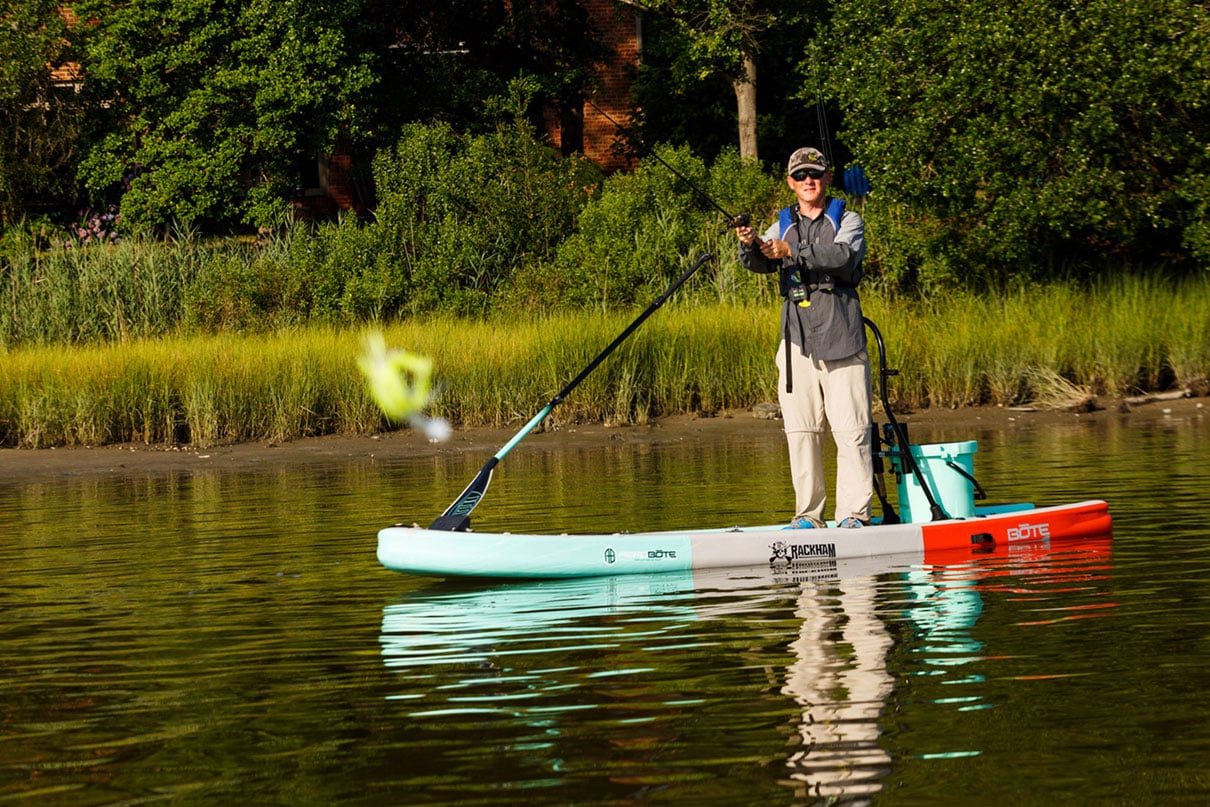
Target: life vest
[(834, 212), (794, 284)]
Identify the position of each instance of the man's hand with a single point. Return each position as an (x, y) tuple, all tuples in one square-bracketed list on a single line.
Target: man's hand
[(775, 248), (746, 234)]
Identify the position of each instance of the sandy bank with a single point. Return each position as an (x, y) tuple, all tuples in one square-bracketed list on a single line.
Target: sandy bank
[(18, 465)]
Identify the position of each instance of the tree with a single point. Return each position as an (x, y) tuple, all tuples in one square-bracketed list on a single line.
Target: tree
[(1019, 136), (725, 37), (205, 108), (39, 119)]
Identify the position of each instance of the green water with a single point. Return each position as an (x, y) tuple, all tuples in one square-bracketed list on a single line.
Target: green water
[(212, 638)]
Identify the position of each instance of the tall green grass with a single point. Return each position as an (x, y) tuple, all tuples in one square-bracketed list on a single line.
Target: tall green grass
[(1126, 335), (129, 289), (200, 390), (697, 354)]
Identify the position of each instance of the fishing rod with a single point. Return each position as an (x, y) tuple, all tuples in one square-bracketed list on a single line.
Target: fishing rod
[(821, 116), (740, 220)]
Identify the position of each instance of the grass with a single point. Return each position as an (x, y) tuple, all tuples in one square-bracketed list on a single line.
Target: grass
[(1037, 344)]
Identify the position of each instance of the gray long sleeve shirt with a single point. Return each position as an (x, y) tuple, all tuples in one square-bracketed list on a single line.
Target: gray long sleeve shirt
[(831, 326)]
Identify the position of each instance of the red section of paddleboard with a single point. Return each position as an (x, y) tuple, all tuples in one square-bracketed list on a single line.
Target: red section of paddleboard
[(1082, 520)]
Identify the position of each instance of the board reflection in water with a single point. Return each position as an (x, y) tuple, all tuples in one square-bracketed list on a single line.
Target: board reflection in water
[(561, 656)]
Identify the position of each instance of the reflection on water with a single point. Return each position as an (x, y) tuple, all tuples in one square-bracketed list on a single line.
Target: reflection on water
[(489, 634), (839, 677), (229, 638), (560, 657)]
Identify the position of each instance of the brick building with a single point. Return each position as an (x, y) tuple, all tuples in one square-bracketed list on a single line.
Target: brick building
[(621, 29), (328, 187)]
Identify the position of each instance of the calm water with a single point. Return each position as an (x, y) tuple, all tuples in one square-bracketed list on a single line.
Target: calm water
[(214, 638)]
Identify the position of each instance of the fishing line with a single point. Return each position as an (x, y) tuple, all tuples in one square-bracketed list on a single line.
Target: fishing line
[(741, 220)]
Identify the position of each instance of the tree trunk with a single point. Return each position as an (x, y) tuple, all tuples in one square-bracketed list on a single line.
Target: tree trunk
[(745, 102)]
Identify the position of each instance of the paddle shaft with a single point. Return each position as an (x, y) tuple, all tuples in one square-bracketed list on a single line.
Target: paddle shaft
[(457, 514)]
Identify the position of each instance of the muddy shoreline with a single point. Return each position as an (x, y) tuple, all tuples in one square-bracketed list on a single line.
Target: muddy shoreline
[(20, 465)]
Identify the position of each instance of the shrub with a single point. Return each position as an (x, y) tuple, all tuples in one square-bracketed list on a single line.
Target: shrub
[(644, 228), (464, 213)]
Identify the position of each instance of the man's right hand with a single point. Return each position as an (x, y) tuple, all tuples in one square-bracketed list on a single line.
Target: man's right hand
[(747, 235)]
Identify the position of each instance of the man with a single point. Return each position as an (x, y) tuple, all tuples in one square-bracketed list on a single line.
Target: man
[(816, 247)]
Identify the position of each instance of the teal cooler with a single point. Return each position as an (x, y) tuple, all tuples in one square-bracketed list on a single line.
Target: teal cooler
[(952, 490)]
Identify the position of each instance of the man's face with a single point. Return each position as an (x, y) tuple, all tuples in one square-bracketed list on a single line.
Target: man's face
[(809, 185)]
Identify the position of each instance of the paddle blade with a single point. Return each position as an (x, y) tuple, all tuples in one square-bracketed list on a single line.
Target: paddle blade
[(456, 517)]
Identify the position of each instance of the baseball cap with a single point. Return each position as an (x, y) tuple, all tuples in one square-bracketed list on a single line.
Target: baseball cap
[(807, 158)]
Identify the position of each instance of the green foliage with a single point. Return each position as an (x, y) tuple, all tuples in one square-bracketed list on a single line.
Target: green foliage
[(713, 44), (339, 273), (466, 213), (1016, 136), (208, 106), (718, 33), (446, 57), (39, 122), (637, 236), (103, 292)]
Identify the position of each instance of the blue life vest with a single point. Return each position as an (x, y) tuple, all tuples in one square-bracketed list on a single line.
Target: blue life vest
[(785, 218)]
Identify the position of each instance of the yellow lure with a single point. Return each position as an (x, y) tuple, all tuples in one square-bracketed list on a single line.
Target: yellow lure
[(400, 383)]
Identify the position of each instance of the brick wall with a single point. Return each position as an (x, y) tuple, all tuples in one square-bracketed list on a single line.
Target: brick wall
[(620, 27)]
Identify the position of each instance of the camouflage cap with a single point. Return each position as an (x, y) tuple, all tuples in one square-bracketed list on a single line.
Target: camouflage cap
[(807, 158)]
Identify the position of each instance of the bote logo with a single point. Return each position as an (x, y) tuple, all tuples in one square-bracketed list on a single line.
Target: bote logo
[(610, 555), (1029, 532)]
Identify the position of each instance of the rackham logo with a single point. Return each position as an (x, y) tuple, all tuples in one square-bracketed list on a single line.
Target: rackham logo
[(784, 553)]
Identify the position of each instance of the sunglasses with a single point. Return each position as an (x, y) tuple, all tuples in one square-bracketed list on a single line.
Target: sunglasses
[(803, 173)]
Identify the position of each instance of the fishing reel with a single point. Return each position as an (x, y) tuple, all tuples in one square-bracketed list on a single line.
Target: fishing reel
[(742, 220)]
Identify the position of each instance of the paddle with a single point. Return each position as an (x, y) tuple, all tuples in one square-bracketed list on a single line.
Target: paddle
[(457, 516)]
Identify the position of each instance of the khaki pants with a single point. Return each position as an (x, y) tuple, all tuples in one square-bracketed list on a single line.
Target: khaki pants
[(835, 393)]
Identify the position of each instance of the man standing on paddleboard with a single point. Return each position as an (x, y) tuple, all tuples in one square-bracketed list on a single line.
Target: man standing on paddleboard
[(816, 247)]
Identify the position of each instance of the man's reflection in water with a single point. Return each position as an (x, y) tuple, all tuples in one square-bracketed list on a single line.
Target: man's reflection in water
[(841, 681)]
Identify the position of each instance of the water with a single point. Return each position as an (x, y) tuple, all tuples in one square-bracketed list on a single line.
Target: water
[(229, 638)]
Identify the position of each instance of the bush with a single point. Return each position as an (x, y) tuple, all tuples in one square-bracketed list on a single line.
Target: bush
[(1078, 136), (464, 214), (646, 226)]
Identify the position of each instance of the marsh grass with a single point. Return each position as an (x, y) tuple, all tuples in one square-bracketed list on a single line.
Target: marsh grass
[(125, 290), (201, 390), (1129, 334), (696, 355)]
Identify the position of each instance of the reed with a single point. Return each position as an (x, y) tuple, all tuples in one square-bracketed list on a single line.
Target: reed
[(1128, 334), (125, 290), (198, 390), (697, 355), (1186, 328)]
